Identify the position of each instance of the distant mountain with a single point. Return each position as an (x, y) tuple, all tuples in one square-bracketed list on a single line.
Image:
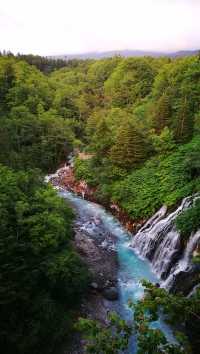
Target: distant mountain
[(124, 53), (184, 53)]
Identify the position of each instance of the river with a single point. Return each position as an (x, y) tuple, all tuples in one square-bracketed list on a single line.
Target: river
[(95, 220)]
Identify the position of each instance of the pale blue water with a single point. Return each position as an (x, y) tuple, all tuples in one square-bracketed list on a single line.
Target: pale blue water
[(132, 269)]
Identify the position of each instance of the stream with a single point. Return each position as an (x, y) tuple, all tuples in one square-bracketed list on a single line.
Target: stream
[(94, 220)]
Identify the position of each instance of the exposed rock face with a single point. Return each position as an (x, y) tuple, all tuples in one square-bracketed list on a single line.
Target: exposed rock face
[(186, 280)]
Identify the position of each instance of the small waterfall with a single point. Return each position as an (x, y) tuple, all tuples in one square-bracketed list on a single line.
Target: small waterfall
[(166, 253), (191, 245), (159, 241), (151, 239), (184, 264)]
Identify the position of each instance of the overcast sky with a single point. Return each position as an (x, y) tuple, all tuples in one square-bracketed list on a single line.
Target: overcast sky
[(73, 26)]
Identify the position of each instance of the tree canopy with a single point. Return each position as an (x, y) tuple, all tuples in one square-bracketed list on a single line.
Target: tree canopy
[(139, 120)]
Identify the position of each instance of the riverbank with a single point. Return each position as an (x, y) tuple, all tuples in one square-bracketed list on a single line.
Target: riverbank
[(96, 246), (104, 245), (65, 178)]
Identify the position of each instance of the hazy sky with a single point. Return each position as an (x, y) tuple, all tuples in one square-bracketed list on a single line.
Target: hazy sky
[(74, 26)]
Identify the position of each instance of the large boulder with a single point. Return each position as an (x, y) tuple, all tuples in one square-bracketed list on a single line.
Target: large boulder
[(186, 280), (111, 293)]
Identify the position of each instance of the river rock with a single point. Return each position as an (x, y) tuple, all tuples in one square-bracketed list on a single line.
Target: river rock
[(94, 285), (138, 226), (186, 280), (111, 293)]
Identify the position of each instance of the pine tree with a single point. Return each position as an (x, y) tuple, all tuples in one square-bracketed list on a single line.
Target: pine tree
[(129, 148), (6, 81), (184, 128), (163, 113), (101, 141)]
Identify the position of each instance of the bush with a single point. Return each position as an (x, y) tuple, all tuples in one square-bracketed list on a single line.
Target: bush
[(162, 180), (189, 220), (83, 170)]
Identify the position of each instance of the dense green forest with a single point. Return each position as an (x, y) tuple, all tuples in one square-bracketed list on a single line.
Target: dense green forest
[(42, 277), (143, 132), (139, 120)]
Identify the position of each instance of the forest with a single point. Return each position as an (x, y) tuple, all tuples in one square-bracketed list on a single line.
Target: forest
[(139, 121)]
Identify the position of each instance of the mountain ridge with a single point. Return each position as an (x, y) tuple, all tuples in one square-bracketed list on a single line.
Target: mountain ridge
[(125, 53)]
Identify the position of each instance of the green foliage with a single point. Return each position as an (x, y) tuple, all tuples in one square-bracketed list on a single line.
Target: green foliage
[(105, 340), (163, 143), (177, 88), (163, 112), (132, 115), (101, 141), (98, 73), (184, 129), (129, 147), (142, 119), (44, 64), (189, 221), (150, 340), (83, 170), (162, 180), (130, 82), (41, 275), (34, 141), (32, 134)]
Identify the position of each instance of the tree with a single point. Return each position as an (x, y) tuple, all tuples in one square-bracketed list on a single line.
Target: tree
[(129, 147), (116, 336), (101, 140), (163, 112), (42, 277), (130, 81), (30, 140), (179, 80), (188, 222), (6, 82), (185, 122), (163, 143)]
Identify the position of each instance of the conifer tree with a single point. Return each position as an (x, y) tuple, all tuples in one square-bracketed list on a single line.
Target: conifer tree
[(6, 81), (163, 113), (129, 148), (101, 141), (184, 128)]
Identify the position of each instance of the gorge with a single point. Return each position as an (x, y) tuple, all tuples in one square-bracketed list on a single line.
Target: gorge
[(133, 125), (154, 253)]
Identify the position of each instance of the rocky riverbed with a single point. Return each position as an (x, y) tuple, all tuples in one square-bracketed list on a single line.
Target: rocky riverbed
[(96, 246), (65, 178)]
